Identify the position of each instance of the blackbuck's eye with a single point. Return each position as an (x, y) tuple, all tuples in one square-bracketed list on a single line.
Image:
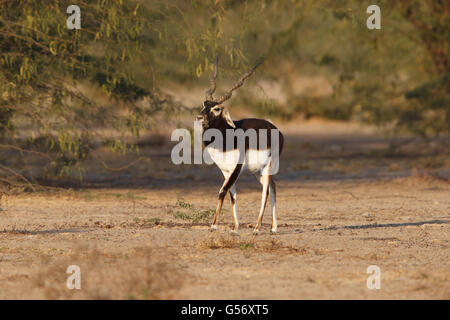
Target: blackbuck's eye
[(216, 109)]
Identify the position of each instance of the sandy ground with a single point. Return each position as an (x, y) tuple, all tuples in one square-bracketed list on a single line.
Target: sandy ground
[(143, 233)]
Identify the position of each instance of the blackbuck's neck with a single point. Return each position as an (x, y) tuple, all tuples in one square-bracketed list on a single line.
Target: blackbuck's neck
[(222, 126)]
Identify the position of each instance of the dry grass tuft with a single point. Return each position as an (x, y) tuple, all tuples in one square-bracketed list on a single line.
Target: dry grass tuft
[(233, 242), (225, 242)]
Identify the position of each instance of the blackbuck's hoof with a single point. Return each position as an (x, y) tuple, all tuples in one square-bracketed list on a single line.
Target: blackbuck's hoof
[(234, 233), (213, 228), (273, 231), (255, 232)]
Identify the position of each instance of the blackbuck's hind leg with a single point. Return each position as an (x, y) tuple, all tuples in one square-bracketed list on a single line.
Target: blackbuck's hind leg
[(227, 184), (273, 200), (265, 181), (233, 196)]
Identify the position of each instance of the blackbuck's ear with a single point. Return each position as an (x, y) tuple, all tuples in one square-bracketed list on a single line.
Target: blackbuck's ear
[(227, 117)]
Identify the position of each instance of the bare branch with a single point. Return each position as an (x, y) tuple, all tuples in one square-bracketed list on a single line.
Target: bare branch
[(17, 174)]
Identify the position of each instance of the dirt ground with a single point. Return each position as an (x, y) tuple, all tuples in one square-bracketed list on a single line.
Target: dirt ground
[(344, 203)]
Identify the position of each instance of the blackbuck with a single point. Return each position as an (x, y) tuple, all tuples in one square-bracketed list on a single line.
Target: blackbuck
[(252, 144)]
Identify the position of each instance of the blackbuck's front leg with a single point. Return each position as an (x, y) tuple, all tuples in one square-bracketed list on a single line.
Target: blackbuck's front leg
[(227, 184), (265, 181)]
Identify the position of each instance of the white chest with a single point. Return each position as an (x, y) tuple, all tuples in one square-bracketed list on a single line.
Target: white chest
[(253, 160)]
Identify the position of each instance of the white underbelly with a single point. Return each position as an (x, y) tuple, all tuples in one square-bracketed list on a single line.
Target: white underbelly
[(254, 160), (257, 160)]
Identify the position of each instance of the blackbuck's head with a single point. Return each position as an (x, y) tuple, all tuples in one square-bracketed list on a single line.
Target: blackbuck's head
[(213, 114)]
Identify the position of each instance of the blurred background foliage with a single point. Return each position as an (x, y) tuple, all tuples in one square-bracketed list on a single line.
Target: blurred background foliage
[(63, 92)]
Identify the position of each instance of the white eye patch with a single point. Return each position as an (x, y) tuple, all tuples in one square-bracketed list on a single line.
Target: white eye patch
[(216, 110)]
